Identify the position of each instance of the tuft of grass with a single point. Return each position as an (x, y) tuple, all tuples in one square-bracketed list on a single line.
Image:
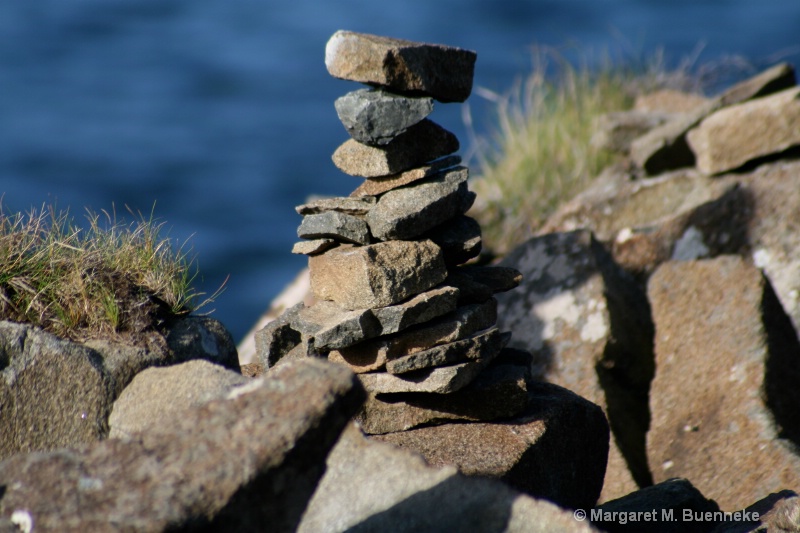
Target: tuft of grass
[(109, 278), (541, 154)]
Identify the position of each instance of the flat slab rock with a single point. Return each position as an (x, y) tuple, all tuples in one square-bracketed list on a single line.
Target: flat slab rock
[(410, 211), (409, 496), (442, 72), (348, 205), (556, 449), (334, 225), (440, 380), (377, 275), (372, 355), (375, 116), (500, 391), (379, 185), (420, 144), (480, 346)]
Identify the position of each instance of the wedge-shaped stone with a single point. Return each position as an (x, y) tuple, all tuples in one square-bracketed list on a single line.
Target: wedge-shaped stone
[(377, 275), (500, 391), (347, 205), (375, 116), (737, 134), (313, 247), (420, 144), (372, 355), (331, 327), (443, 72), (410, 211), (441, 380), (278, 337), (334, 225), (459, 239), (482, 346), (421, 308), (380, 185)]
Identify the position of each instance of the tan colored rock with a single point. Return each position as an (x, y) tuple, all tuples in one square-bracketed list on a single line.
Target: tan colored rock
[(617, 130), (443, 72), (725, 392), (420, 144), (669, 101), (313, 247), (380, 185), (440, 380), (556, 449), (377, 275), (741, 133)]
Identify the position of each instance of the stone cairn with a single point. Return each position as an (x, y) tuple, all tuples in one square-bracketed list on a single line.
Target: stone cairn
[(394, 300)]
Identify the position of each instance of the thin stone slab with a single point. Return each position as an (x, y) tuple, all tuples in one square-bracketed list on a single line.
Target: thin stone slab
[(334, 225), (372, 355), (419, 309), (441, 380), (735, 135), (459, 239), (380, 185), (482, 346), (443, 72), (348, 205), (420, 144), (313, 247), (332, 327), (500, 391), (377, 275), (410, 211), (375, 116)]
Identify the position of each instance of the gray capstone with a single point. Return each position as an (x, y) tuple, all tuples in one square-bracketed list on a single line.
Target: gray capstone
[(375, 116)]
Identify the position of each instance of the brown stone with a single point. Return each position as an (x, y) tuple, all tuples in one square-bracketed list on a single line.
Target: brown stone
[(741, 133), (376, 275), (724, 395), (555, 450), (420, 144), (480, 346), (380, 185), (443, 72), (668, 101), (440, 380)]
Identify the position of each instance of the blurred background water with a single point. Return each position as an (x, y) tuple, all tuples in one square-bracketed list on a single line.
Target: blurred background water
[(220, 113)]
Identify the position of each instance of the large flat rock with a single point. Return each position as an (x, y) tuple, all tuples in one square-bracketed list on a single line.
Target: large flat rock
[(377, 275), (724, 397), (235, 463), (408, 496), (443, 72), (556, 449)]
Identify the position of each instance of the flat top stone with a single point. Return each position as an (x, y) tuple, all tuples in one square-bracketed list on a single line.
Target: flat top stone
[(443, 72), (346, 204), (380, 185)]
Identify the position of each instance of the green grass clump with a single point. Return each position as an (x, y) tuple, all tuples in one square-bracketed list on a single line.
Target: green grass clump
[(110, 278), (541, 154)]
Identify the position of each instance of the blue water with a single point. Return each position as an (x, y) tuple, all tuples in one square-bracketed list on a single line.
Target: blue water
[(220, 113)]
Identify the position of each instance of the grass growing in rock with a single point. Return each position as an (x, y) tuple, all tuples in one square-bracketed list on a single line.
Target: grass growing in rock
[(110, 278), (541, 153)]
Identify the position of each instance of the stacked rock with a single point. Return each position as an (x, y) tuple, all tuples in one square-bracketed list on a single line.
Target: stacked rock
[(394, 300)]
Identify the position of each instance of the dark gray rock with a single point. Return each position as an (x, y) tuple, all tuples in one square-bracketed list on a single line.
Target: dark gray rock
[(334, 225), (421, 143), (667, 500), (556, 449), (417, 310), (252, 458), (328, 326), (500, 391), (443, 72), (375, 116), (203, 337), (459, 239), (277, 338), (410, 211), (159, 396), (481, 346)]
